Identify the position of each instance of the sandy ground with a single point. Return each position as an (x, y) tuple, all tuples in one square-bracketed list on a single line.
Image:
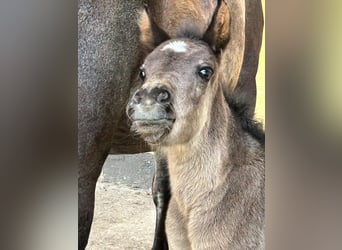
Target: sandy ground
[(124, 210), (124, 219)]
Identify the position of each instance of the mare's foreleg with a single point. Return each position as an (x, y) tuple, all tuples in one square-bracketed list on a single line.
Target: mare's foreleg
[(161, 197)]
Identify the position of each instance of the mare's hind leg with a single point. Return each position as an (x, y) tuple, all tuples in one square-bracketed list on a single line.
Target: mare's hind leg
[(246, 86), (161, 197)]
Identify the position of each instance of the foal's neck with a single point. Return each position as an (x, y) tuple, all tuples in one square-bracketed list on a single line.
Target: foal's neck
[(202, 165), (210, 146)]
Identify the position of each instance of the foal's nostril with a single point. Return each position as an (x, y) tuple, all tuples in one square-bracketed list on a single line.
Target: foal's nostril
[(137, 98), (163, 97)]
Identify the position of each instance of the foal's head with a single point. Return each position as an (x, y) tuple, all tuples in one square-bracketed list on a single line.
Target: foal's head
[(177, 83)]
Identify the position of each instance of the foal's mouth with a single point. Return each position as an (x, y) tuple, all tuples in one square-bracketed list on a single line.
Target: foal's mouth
[(153, 130), (154, 122)]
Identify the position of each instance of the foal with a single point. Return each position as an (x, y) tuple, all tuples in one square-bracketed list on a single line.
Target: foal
[(215, 160)]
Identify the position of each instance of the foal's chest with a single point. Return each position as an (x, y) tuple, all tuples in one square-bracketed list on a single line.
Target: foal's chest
[(189, 184)]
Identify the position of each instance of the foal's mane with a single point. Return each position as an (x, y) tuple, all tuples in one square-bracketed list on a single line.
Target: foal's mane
[(239, 110)]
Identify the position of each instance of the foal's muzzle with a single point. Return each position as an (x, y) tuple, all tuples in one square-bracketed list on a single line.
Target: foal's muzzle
[(153, 96), (151, 113)]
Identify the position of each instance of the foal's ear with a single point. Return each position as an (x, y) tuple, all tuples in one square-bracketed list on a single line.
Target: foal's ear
[(151, 35), (217, 34)]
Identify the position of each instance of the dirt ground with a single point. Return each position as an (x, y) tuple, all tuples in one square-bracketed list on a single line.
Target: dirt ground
[(124, 210), (124, 219)]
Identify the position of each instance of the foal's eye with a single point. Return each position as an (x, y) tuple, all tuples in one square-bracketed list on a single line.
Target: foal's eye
[(205, 73), (142, 74)]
